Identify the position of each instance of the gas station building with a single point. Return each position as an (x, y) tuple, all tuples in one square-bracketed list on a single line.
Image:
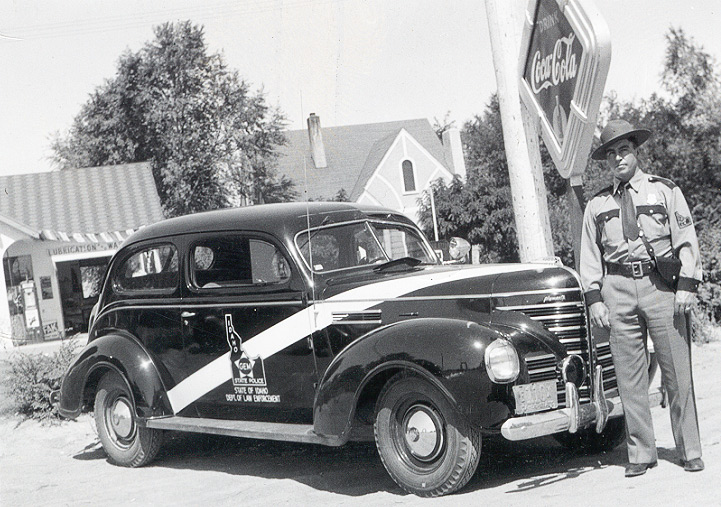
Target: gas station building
[(58, 231)]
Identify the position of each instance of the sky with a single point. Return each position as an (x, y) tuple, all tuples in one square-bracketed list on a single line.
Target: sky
[(348, 61)]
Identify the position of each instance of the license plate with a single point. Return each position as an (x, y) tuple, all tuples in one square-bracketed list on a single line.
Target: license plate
[(535, 397)]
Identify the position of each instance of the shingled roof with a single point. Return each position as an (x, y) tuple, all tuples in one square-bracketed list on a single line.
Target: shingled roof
[(90, 200), (353, 153)]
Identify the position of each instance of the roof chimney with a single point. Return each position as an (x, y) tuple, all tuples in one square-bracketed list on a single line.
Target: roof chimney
[(316, 141), (454, 151)]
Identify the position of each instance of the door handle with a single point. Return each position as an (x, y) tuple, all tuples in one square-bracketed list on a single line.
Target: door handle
[(186, 315)]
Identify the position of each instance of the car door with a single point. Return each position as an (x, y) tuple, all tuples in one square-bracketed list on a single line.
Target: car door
[(246, 326), (143, 299)]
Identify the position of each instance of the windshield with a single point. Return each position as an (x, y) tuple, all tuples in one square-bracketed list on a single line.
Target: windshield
[(355, 244)]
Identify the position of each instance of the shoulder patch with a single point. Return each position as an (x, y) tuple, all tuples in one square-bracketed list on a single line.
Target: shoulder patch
[(683, 221), (608, 190), (665, 181)]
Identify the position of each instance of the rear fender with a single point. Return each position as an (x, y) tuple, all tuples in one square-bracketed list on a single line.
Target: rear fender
[(447, 352), (123, 353)]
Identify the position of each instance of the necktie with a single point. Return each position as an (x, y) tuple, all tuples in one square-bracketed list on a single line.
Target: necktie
[(628, 214)]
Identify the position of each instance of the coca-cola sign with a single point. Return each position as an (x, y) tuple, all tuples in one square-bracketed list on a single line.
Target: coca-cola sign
[(564, 67), (556, 67)]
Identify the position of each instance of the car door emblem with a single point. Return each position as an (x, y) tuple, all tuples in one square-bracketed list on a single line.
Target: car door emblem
[(247, 371)]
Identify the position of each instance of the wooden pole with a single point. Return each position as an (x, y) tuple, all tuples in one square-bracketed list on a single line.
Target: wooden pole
[(433, 212), (520, 136), (574, 194)]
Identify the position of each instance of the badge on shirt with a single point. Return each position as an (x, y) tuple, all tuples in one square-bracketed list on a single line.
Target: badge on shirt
[(651, 199), (682, 220)]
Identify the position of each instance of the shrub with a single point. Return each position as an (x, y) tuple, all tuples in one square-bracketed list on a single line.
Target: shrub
[(704, 329), (31, 378)]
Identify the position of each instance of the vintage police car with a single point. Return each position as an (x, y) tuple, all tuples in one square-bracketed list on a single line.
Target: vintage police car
[(326, 322)]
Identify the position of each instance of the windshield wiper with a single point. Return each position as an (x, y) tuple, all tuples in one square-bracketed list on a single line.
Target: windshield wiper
[(402, 261)]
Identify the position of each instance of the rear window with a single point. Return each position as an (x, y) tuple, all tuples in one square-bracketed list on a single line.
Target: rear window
[(235, 261), (151, 269)]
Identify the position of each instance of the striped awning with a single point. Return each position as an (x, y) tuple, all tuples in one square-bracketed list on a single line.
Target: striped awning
[(86, 237)]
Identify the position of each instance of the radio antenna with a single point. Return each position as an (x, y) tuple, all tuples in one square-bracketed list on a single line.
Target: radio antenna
[(307, 208), (314, 315)]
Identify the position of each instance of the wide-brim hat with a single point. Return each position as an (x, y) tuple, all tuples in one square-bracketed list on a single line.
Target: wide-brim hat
[(614, 131)]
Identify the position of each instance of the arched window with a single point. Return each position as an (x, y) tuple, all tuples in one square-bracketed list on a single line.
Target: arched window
[(409, 178)]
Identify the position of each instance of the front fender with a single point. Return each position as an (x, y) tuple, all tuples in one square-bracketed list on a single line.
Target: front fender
[(126, 355), (525, 333), (448, 352)]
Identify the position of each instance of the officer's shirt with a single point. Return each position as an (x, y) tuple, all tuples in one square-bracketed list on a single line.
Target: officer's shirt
[(665, 219)]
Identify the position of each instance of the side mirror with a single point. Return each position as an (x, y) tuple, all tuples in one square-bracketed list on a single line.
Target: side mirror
[(458, 248)]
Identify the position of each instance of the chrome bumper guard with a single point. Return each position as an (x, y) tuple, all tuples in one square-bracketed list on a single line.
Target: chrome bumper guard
[(574, 416)]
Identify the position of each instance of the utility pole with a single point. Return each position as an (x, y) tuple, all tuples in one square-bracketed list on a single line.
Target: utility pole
[(520, 137)]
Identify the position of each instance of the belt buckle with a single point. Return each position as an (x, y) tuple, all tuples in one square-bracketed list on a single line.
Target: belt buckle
[(637, 269)]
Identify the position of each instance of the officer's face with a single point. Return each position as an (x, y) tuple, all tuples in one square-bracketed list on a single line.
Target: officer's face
[(621, 159)]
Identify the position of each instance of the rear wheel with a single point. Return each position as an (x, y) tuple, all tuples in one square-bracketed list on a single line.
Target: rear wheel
[(126, 443), (426, 446), (587, 440)]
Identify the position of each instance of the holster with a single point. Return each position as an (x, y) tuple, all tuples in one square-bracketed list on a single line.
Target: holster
[(669, 269)]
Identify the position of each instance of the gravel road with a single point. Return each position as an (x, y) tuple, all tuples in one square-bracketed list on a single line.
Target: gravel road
[(65, 465)]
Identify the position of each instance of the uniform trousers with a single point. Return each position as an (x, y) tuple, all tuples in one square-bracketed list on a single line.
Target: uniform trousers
[(639, 308)]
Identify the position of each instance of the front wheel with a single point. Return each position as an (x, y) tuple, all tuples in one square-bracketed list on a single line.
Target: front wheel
[(587, 440), (126, 443), (426, 446)]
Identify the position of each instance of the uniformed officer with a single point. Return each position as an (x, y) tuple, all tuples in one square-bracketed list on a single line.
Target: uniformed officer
[(625, 292)]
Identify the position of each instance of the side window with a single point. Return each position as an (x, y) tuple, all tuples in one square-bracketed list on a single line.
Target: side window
[(150, 269), (325, 254), (234, 261)]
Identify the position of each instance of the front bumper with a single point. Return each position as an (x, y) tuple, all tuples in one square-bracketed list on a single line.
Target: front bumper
[(574, 416)]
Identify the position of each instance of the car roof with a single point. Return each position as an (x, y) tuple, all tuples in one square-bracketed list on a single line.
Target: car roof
[(282, 220)]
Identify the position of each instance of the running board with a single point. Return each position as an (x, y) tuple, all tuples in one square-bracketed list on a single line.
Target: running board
[(247, 429)]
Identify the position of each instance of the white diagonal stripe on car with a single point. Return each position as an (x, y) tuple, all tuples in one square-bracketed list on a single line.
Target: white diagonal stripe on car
[(315, 318)]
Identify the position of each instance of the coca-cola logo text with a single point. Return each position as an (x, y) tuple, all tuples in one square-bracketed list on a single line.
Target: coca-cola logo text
[(555, 68)]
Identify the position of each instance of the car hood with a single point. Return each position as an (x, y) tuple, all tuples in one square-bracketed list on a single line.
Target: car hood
[(484, 280)]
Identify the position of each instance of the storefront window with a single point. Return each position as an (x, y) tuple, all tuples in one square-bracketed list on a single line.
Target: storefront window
[(17, 270)]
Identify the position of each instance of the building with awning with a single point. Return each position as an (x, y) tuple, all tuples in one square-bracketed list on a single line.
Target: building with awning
[(58, 231)]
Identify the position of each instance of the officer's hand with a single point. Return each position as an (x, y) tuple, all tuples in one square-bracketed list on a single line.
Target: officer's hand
[(684, 301), (599, 315)]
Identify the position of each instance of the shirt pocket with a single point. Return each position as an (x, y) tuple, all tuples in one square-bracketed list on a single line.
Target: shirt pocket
[(654, 220), (609, 223)]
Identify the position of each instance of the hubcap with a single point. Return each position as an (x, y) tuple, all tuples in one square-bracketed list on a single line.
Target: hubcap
[(423, 432), (121, 418)]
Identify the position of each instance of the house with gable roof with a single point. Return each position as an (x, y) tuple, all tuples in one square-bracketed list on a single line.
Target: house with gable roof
[(388, 164), (58, 231)]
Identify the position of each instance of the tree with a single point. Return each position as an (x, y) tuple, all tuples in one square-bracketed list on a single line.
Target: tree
[(210, 140), (480, 209), (340, 196), (685, 148), (440, 126)]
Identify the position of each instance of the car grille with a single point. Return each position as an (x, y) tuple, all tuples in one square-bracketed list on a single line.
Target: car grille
[(567, 321)]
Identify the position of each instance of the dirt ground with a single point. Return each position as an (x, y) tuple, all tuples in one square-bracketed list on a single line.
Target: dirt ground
[(65, 465)]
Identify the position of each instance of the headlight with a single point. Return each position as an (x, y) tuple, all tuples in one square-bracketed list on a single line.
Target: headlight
[(502, 362)]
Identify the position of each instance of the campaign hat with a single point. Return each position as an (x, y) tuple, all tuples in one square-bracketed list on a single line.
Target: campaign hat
[(614, 131)]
